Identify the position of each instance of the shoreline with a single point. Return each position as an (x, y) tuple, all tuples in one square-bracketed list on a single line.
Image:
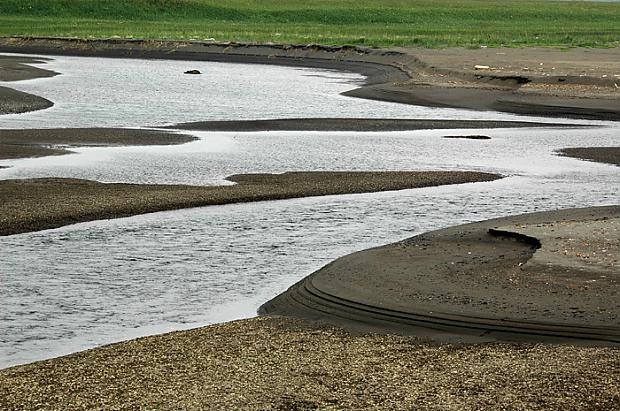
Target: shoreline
[(282, 363), (507, 281), (397, 75)]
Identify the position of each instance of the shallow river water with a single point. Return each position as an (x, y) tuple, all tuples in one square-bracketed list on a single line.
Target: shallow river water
[(89, 284)]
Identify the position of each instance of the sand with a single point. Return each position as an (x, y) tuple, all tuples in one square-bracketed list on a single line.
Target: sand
[(354, 124), (15, 69), (609, 155), (69, 201), (542, 277), (44, 142), (13, 101)]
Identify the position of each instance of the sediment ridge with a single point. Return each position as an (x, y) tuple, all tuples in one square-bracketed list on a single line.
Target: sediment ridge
[(477, 283), (355, 124), (69, 201), (55, 141)]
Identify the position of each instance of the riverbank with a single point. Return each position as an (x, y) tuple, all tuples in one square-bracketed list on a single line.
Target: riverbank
[(376, 23), (411, 76), (69, 201), (279, 363), (541, 277)]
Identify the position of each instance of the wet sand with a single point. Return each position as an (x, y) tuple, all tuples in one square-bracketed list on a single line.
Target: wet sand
[(354, 124), (69, 201), (41, 142), (15, 69), (13, 101), (287, 364), (542, 277), (413, 76), (16, 151), (608, 155)]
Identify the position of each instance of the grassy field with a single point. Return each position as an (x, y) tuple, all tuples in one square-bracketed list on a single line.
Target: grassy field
[(437, 23)]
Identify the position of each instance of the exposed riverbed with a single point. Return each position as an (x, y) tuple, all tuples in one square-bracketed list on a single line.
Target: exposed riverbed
[(85, 285)]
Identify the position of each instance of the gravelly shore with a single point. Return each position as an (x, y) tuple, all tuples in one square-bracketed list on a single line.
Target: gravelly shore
[(542, 277), (287, 364)]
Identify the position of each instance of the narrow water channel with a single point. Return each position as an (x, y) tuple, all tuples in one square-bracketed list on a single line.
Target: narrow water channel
[(94, 283)]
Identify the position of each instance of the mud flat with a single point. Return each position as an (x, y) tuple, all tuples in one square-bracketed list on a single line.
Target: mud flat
[(555, 88), (542, 277), (69, 201)]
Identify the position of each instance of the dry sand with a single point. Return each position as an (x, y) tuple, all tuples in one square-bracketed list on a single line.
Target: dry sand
[(286, 364)]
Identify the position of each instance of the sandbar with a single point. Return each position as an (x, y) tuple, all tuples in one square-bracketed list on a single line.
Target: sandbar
[(16, 69), (542, 277), (69, 201), (608, 155), (356, 124), (42, 142)]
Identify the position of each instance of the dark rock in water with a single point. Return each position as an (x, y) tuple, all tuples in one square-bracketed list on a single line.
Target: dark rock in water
[(193, 72), (474, 137)]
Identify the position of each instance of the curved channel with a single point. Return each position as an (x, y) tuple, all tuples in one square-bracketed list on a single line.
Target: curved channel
[(89, 284)]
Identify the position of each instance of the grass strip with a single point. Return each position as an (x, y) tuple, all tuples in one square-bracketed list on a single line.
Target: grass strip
[(441, 23)]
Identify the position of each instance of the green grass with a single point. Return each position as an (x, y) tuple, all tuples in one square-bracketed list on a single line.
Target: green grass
[(439, 23)]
